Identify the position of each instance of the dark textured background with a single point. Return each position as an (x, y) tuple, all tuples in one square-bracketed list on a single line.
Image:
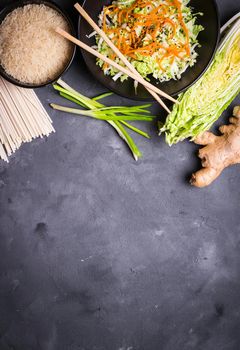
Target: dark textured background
[(98, 252)]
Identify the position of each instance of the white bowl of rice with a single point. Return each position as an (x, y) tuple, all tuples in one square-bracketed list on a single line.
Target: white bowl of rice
[(32, 54)]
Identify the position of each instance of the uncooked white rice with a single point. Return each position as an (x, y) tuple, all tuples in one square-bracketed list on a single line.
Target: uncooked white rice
[(30, 49)]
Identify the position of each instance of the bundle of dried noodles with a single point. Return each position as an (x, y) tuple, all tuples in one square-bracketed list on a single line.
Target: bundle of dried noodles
[(22, 118)]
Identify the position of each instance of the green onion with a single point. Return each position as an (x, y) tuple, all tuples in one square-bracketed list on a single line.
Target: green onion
[(100, 97), (138, 131), (97, 113), (116, 116), (123, 133)]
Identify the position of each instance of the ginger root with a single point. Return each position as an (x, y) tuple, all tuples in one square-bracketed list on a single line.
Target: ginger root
[(219, 151)]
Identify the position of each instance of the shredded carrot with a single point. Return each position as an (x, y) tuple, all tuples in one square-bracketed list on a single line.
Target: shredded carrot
[(137, 33)]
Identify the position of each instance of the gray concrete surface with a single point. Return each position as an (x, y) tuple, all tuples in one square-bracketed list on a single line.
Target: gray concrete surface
[(99, 252)]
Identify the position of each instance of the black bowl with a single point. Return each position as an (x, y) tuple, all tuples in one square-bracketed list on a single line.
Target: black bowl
[(54, 6), (208, 39)]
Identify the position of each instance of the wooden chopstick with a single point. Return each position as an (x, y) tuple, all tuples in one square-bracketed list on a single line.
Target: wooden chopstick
[(85, 15), (122, 69)]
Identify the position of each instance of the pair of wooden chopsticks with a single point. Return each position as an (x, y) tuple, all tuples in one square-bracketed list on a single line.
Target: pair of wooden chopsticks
[(130, 70)]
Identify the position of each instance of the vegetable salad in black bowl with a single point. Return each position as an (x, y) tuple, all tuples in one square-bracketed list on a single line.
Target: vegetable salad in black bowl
[(170, 43)]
